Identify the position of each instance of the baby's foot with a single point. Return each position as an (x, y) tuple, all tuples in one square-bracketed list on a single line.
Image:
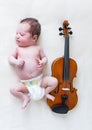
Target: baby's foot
[(50, 97), (26, 101)]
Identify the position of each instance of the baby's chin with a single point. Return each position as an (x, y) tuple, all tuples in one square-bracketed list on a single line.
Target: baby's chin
[(20, 44)]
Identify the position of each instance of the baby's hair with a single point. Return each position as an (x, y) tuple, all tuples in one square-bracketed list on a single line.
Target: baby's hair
[(35, 27)]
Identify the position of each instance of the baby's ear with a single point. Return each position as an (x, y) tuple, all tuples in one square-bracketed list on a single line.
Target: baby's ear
[(35, 37)]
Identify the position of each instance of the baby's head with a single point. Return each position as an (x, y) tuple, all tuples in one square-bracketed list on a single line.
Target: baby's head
[(35, 27), (28, 32)]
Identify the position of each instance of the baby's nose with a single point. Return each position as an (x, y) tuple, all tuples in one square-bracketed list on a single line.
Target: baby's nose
[(17, 36)]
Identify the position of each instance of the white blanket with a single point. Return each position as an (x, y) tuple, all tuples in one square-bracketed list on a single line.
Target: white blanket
[(51, 14)]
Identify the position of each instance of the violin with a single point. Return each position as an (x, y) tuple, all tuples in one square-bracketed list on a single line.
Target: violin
[(64, 69)]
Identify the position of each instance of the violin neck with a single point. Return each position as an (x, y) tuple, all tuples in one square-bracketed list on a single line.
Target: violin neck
[(66, 58)]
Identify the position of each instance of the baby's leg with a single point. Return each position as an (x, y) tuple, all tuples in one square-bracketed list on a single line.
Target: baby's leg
[(49, 96), (21, 92), (49, 83)]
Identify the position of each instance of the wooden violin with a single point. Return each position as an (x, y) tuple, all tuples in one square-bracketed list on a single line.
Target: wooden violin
[(64, 69)]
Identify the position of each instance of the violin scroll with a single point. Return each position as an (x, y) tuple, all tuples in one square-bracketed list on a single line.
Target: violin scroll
[(66, 29)]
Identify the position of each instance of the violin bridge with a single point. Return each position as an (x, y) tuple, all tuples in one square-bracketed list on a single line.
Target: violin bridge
[(66, 89)]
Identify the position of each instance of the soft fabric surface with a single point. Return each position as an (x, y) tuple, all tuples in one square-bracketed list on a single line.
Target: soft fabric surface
[(51, 14)]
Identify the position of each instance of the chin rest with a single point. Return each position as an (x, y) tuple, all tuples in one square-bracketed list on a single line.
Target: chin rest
[(61, 108)]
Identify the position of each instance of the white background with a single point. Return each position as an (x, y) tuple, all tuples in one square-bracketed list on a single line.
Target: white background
[(51, 14)]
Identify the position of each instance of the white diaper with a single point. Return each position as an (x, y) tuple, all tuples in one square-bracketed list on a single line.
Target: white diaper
[(33, 85)]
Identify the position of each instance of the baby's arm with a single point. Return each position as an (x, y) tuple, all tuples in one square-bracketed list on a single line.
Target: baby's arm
[(43, 59), (14, 61)]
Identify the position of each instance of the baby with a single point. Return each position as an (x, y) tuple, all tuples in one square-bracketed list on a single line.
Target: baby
[(29, 61)]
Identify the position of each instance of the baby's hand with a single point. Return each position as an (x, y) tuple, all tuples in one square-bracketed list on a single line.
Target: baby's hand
[(20, 62), (40, 63)]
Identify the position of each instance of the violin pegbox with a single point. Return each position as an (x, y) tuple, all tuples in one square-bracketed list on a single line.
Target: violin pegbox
[(65, 29)]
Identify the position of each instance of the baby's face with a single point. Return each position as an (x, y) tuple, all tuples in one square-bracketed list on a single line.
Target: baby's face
[(23, 37)]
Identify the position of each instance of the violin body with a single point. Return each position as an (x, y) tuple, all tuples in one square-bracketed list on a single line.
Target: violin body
[(59, 91), (64, 69)]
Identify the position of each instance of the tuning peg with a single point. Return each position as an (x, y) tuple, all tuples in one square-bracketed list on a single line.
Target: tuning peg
[(69, 28), (61, 34), (60, 29), (70, 32)]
